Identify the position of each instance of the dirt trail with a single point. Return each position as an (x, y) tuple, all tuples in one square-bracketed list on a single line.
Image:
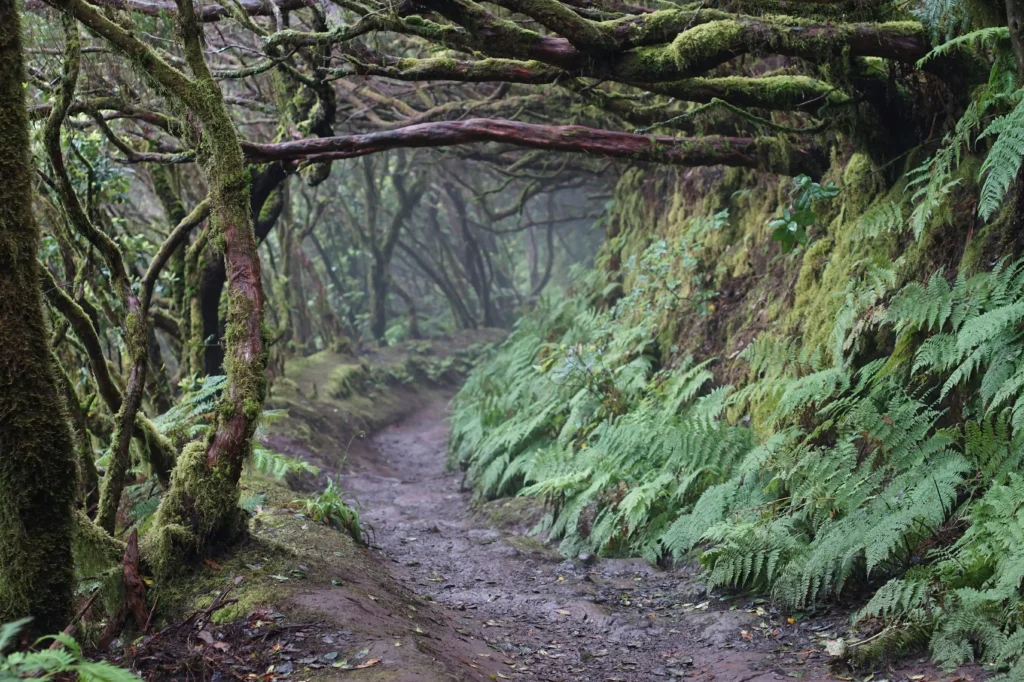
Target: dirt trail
[(545, 618)]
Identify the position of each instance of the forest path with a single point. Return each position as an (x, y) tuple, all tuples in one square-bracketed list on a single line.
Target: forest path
[(550, 619)]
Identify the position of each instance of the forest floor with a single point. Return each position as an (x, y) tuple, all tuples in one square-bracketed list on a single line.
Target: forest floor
[(543, 617), (452, 590)]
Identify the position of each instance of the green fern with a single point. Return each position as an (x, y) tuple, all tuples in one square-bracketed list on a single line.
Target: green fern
[(1002, 163), (276, 465), (46, 663), (942, 11), (899, 470), (329, 507), (884, 217)]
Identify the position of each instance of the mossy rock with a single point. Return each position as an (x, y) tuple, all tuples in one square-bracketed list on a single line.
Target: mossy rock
[(344, 381)]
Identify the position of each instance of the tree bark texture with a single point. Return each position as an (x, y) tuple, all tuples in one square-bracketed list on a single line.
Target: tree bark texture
[(37, 456)]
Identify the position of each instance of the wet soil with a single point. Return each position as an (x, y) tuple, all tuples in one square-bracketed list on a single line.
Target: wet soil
[(517, 610)]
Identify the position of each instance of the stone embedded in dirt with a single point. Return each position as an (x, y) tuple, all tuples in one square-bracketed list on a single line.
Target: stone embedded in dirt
[(484, 536), (836, 647), (723, 627)]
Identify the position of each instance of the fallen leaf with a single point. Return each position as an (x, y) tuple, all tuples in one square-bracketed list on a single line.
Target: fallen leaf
[(369, 664), (212, 564)]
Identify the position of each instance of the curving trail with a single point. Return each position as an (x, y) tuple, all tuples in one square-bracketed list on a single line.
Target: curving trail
[(545, 618)]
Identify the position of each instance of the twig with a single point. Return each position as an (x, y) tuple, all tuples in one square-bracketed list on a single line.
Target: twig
[(218, 603), (151, 612), (72, 627)]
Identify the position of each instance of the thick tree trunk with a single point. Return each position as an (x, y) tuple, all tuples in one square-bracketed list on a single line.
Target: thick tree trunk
[(37, 460)]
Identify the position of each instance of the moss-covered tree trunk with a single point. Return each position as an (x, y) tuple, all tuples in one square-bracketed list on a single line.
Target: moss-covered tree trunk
[(202, 504), (37, 468)]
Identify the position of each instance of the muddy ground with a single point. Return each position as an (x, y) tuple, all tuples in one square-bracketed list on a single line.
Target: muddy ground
[(511, 608)]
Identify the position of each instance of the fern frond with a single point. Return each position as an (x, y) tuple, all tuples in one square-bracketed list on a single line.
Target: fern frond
[(1002, 163)]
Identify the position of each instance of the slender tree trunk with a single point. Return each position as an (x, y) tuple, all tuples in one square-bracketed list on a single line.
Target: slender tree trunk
[(159, 380), (378, 281), (89, 477), (458, 307), (410, 304), (330, 326), (175, 211), (37, 460), (294, 298), (134, 320), (337, 285)]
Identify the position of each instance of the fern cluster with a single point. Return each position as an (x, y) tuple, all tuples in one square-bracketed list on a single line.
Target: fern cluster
[(993, 116), (895, 476)]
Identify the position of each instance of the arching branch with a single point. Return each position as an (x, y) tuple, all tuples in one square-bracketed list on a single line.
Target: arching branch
[(703, 151)]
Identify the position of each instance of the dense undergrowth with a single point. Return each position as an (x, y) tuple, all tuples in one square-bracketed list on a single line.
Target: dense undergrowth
[(897, 475), (844, 423)]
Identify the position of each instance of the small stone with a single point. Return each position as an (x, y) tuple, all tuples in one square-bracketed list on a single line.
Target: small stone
[(835, 647)]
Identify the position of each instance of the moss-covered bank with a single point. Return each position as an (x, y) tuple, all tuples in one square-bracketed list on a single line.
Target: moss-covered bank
[(749, 284)]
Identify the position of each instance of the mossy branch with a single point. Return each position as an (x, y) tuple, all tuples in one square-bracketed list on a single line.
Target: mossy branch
[(176, 237), (83, 328), (704, 151)]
